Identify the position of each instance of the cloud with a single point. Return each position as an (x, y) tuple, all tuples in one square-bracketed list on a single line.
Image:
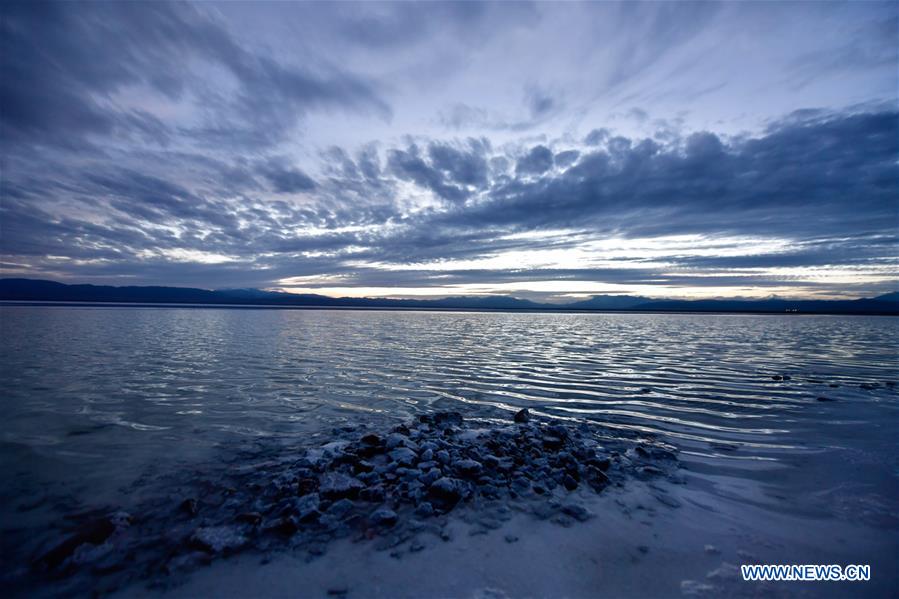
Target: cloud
[(135, 138), (59, 88), (838, 166), (537, 161), (286, 179)]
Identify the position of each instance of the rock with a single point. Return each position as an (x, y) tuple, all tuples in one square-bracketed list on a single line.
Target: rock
[(374, 494), (522, 416), (468, 468), (552, 442), (777, 377), (395, 440), (341, 508), (306, 507), (430, 476), (94, 532), (427, 455), (443, 456), (447, 490), (511, 539), (521, 485), (445, 419), (218, 539), (424, 510), (253, 518), (383, 517), (287, 525), (307, 485), (403, 455), (362, 466), (569, 482), (578, 512), (334, 485), (189, 506)]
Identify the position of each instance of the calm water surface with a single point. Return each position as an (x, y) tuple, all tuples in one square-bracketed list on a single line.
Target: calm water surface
[(94, 398)]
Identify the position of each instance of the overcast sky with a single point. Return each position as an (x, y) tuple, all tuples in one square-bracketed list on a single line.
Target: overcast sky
[(549, 151)]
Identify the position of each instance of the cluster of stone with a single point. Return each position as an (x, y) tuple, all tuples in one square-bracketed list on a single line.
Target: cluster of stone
[(389, 486)]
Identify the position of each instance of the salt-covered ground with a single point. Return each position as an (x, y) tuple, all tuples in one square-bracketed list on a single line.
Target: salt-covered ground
[(634, 546), (442, 507)]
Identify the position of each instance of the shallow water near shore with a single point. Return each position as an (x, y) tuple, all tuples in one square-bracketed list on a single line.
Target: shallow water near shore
[(98, 402)]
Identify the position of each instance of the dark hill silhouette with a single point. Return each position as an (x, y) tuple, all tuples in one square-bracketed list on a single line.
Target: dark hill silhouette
[(32, 290)]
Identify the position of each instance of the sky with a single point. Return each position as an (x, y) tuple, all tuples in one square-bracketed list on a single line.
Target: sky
[(549, 151)]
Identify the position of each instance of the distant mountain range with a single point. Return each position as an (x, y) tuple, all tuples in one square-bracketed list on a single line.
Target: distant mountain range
[(31, 290)]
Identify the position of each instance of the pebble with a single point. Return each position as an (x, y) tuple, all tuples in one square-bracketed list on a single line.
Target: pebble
[(383, 517), (522, 416)]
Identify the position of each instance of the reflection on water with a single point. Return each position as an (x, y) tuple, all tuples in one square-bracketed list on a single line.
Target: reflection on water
[(95, 397)]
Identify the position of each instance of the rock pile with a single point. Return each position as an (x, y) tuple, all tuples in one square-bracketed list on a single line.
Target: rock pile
[(393, 487)]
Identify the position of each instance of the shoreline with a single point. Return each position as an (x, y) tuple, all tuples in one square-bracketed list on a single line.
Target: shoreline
[(226, 306)]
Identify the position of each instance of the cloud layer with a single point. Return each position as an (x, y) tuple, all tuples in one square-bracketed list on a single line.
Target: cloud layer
[(152, 143)]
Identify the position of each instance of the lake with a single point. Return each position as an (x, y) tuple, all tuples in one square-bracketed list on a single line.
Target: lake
[(96, 398)]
